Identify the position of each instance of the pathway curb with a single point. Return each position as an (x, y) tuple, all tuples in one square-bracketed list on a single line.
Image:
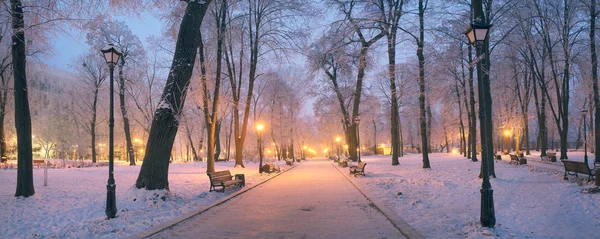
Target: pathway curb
[(159, 228), (407, 230)]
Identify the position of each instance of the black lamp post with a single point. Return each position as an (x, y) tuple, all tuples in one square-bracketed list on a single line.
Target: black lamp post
[(477, 34), (259, 128), (357, 122), (585, 157), (111, 55)]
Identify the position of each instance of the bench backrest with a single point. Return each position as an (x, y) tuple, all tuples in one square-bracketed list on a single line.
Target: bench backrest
[(550, 154), (360, 166), (218, 177), (513, 157), (39, 161), (574, 166)]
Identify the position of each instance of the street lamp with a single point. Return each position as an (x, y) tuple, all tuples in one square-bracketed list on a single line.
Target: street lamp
[(585, 157), (357, 122), (259, 128), (478, 35), (111, 55)]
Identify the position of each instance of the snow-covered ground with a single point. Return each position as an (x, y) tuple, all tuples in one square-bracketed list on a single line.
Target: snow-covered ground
[(73, 203), (531, 201)]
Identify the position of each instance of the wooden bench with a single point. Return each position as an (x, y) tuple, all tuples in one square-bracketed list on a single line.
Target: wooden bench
[(358, 170), (224, 179), (574, 168), (550, 157), (518, 160), (343, 163), (39, 162), (221, 160), (270, 168)]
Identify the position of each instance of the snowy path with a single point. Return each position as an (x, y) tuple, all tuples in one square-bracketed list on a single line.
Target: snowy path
[(311, 201)]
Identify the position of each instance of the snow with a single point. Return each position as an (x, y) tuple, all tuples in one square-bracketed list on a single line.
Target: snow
[(73, 203), (531, 201)]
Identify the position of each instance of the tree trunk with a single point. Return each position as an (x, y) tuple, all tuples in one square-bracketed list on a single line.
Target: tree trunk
[(155, 167), (374, 137), (461, 126), (596, 121), (3, 99), (420, 45), (126, 130), (229, 139), (2, 136), (218, 140), (93, 124), (527, 152), (22, 115), (391, 47), (473, 118), (191, 143), (446, 138), (429, 120)]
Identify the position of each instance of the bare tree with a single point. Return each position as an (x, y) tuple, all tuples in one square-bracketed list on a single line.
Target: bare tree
[(92, 70), (420, 40), (118, 33), (154, 171)]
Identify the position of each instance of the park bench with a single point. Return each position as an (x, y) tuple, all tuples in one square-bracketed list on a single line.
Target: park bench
[(224, 179), (550, 157), (39, 162), (596, 163), (574, 168), (3, 159), (221, 160), (358, 170), (343, 163), (518, 160), (270, 168)]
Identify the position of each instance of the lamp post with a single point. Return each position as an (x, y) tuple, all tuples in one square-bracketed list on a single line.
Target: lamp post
[(259, 128), (585, 157), (111, 55), (477, 34), (357, 122)]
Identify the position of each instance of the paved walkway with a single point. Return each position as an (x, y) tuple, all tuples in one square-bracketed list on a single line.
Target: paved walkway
[(312, 200)]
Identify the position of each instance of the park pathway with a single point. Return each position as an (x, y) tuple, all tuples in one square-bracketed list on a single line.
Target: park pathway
[(313, 200)]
